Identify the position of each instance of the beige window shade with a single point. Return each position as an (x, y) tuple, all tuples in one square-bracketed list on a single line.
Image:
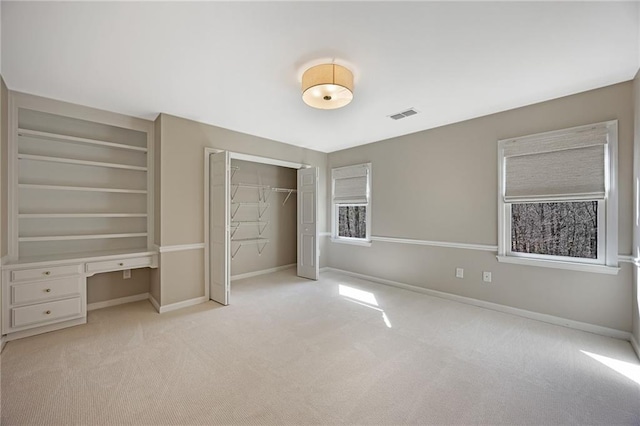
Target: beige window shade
[(351, 185), (559, 141), (577, 173)]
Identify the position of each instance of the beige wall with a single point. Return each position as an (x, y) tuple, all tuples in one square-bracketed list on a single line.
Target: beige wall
[(111, 285), (636, 215), (441, 185), (281, 220), (182, 144)]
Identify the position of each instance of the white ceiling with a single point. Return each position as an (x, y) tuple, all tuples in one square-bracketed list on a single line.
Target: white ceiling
[(238, 65)]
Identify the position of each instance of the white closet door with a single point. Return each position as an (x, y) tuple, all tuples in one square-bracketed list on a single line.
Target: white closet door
[(219, 273), (307, 223)]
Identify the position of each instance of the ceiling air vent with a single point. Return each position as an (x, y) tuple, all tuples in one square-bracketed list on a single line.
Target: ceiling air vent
[(403, 114)]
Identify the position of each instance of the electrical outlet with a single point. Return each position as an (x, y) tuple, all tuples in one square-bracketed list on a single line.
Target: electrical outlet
[(486, 277), (126, 274), (459, 273)]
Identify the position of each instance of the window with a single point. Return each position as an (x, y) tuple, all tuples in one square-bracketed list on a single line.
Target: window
[(351, 202), (557, 199)]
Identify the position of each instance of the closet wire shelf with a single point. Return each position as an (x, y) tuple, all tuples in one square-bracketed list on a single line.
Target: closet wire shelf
[(249, 241), (264, 191)]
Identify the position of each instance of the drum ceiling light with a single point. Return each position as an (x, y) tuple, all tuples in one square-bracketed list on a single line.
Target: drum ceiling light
[(327, 86)]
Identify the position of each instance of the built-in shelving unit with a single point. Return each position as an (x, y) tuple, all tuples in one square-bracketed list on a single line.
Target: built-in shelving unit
[(78, 186)]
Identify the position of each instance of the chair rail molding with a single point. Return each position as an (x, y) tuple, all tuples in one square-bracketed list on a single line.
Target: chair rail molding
[(626, 258)]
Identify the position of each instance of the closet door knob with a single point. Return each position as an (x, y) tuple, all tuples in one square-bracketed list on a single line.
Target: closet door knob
[(48, 290), (121, 264), (48, 312), (47, 272)]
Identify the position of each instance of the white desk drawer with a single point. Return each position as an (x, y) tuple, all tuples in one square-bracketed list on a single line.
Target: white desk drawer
[(45, 290), (44, 273), (116, 265), (46, 312)]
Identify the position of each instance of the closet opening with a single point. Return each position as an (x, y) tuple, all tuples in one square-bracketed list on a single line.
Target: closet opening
[(260, 217)]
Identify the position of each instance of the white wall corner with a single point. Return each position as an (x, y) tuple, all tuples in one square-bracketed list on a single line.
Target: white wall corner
[(154, 302)]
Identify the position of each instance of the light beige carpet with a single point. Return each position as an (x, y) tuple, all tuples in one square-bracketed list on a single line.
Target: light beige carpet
[(336, 351)]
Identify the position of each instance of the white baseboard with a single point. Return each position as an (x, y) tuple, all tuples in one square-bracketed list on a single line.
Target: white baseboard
[(116, 302), (326, 269), (183, 304), (154, 302), (635, 346), (44, 329), (262, 272), (583, 326)]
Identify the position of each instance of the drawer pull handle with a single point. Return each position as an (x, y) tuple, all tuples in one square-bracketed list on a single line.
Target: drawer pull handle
[(48, 290), (48, 312), (121, 264), (47, 272)]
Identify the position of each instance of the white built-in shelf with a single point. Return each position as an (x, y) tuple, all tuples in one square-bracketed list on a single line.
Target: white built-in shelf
[(81, 237), (80, 162), (248, 222), (77, 215), (80, 188), (74, 139)]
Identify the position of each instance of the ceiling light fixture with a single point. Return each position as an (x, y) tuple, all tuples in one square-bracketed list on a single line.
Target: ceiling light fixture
[(327, 86)]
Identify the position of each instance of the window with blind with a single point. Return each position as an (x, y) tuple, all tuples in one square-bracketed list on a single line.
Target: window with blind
[(557, 198), (351, 202)]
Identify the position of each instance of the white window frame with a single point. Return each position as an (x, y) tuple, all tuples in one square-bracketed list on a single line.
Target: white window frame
[(607, 261), (334, 210)]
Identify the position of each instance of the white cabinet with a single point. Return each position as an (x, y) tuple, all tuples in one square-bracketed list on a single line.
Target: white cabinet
[(80, 189), (46, 272), (42, 296), (45, 296), (42, 290), (47, 313)]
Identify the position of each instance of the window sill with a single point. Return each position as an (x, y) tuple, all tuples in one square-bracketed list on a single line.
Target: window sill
[(582, 267), (363, 243)]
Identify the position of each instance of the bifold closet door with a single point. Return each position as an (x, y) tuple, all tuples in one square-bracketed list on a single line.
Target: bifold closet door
[(307, 223), (219, 267)]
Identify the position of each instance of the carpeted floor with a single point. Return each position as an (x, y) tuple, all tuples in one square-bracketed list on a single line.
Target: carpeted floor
[(336, 351)]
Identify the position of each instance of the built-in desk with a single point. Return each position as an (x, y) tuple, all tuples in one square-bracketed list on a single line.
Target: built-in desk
[(46, 294)]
